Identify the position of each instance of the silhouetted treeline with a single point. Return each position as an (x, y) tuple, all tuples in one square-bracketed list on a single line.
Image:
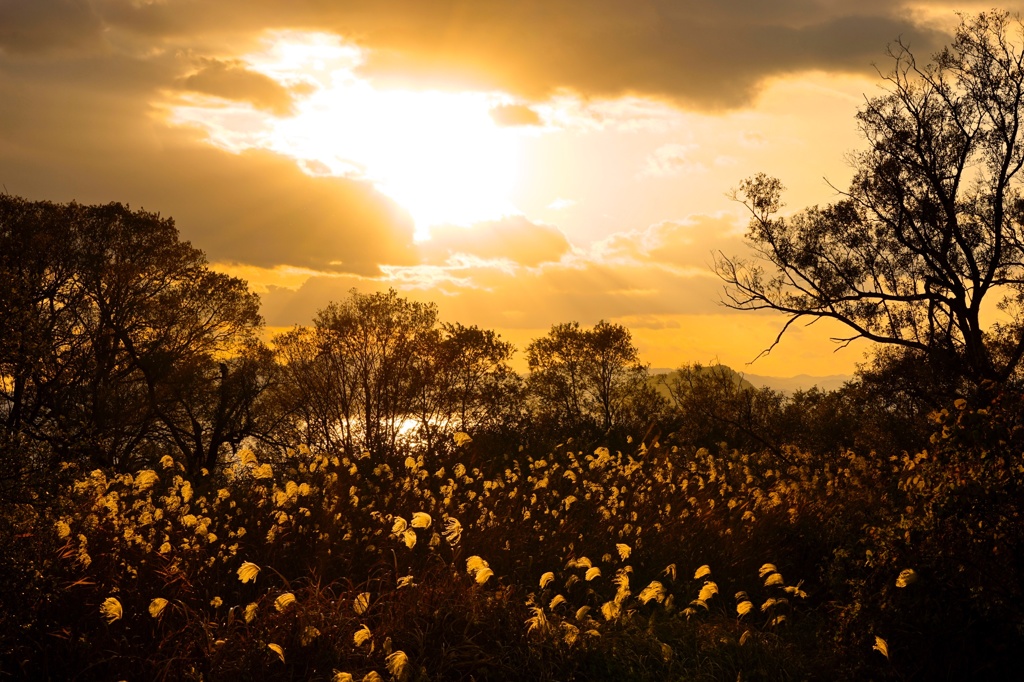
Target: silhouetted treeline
[(878, 410), (120, 345)]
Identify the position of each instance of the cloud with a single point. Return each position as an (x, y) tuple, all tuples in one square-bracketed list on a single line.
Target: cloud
[(230, 79), (661, 270), (560, 204), (656, 281), (515, 115), (254, 208), (513, 238), (688, 243), (701, 53), (44, 26), (89, 134), (83, 84), (673, 159)]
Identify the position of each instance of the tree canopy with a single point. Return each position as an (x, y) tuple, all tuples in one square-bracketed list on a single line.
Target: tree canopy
[(118, 339), (931, 229), (377, 371), (589, 378)]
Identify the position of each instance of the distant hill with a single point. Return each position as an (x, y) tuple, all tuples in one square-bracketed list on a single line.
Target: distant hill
[(659, 386), (800, 382)]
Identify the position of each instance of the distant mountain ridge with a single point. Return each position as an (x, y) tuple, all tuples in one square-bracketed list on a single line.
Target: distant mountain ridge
[(800, 382)]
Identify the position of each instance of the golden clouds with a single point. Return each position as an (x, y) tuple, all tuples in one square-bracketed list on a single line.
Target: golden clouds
[(441, 155), (656, 281), (255, 208), (674, 244), (515, 115), (310, 165), (513, 238), (674, 159), (514, 273), (700, 52), (231, 79)]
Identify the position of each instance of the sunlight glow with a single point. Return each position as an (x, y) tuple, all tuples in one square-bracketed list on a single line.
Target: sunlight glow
[(440, 155)]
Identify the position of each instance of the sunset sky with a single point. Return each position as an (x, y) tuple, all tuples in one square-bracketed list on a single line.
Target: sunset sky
[(519, 162)]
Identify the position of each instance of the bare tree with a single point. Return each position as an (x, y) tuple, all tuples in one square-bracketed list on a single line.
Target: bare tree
[(931, 226)]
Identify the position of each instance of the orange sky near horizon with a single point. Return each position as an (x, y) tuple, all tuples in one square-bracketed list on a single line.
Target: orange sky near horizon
[(519, 164)]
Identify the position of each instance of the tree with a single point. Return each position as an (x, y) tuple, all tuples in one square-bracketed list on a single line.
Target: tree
[(210, 405), (376, 371), (354, 373), (465, 383), (932, 225), (881, 409), (717, 405), (105, 315), (38, 304), (587, 378), (315, 394)]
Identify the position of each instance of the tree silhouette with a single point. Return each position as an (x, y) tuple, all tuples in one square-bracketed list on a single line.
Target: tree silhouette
[(464, 382), (353, 374), (106, 316), (377, 372), (932, 225), (587, 378)]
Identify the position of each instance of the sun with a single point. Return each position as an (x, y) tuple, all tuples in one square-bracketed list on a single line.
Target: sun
[(440, 155)]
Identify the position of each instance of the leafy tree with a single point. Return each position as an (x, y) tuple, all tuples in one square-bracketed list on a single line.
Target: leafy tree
[(717, 405), (376, 371), (105, 316), (465, 383), (354, 373), (932, 225), (587, 379)]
